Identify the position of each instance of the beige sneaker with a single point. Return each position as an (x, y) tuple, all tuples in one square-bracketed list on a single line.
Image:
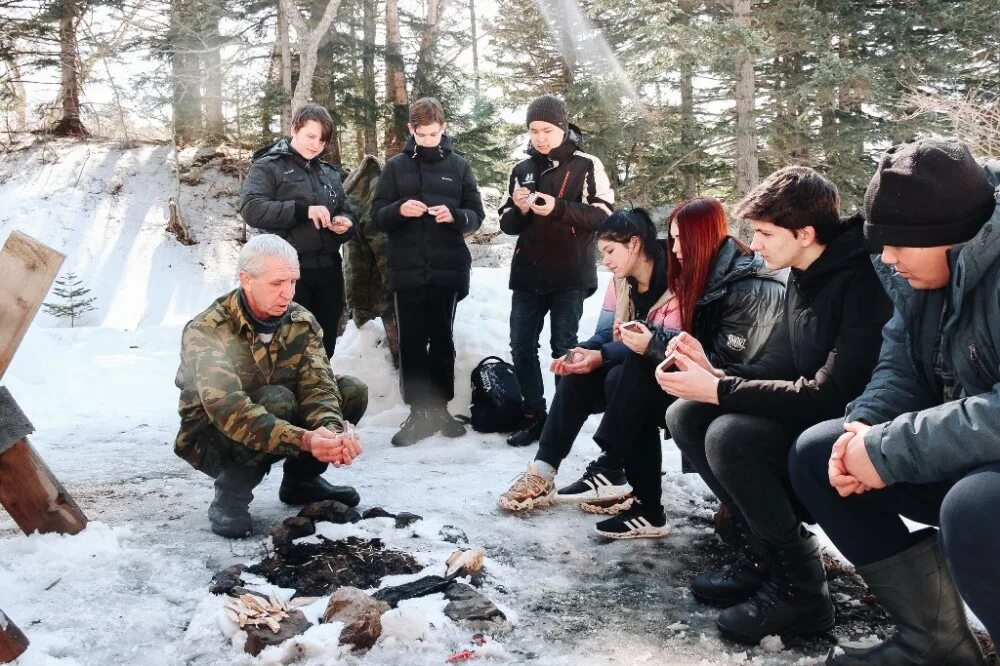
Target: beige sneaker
[(529, 491)]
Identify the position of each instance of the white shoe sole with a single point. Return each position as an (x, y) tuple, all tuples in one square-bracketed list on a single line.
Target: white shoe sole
[(612, 510), (528, 504), (607, 492), (642, 533)]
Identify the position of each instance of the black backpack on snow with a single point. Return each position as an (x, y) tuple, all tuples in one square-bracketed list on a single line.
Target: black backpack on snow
[(496, 397)]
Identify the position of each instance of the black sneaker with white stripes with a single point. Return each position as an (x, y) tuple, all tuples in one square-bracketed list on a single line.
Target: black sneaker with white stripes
[(599, 481), (634, 524)]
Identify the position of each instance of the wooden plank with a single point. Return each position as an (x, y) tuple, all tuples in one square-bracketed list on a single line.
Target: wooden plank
[(33, 496), (12, 641), (27, 270)]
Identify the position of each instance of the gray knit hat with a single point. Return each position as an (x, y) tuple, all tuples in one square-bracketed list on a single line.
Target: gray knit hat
[(926, 193), (549, 109)]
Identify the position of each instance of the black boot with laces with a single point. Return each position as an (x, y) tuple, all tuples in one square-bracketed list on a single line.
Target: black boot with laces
[(417, 426)]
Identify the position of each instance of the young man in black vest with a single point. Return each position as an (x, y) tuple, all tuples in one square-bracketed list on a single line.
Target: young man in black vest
[(426, 200)]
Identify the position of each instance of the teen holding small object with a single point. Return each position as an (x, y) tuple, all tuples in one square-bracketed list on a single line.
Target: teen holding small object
[(426, 200)]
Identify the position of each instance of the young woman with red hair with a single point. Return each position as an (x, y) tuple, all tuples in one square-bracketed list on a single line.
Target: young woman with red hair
[(734, 305)]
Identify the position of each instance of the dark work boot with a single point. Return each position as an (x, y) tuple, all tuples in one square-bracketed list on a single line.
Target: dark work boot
[(417, 426), (739, 579), (229, 512), (445, 422), (531, 430), (916, 588), (793, 601), (303, 484)]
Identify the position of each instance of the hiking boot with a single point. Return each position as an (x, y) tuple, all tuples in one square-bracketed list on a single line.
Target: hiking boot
[(599, 481), (739, 579), (417, 426), (610, 506), (531, 430), (529, 491), (793, 601), (299, 493), (732, 584), (916, 588), (229, 512), (635, 523), (445, 423)]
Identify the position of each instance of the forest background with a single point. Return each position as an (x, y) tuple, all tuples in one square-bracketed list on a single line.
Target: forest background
[(678, 98)]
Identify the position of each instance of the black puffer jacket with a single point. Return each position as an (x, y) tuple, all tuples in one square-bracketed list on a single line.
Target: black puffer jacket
[(280, 187), (737, 314), (829, 340), (558, 252), (421, 251)]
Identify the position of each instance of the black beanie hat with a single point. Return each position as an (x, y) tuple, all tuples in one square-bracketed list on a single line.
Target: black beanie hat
[(547, 108), (926, 193)]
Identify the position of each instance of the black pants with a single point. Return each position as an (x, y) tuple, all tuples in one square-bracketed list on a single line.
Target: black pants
[(868, 528), (321, 291), (630, 429), (425, 317), (744, 460)]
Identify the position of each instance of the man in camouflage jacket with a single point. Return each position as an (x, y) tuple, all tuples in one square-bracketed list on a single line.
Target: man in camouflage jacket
[(257, 387)]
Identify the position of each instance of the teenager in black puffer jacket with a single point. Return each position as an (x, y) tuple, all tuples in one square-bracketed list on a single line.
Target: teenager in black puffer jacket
[(290, 192), (426, 200)]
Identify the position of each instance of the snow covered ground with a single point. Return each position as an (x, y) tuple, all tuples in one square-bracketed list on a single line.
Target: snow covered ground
[(132, 589)]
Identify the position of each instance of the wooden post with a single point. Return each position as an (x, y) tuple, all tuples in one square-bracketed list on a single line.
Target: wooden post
[(28, 490), (12, 641)]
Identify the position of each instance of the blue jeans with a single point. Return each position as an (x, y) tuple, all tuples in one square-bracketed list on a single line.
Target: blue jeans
[(867, 528), (527, 316)]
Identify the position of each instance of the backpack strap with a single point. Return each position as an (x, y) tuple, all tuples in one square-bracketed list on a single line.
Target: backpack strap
[(496, 359)]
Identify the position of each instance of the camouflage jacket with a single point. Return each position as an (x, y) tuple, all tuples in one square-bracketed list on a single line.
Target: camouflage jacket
[(223, 360)]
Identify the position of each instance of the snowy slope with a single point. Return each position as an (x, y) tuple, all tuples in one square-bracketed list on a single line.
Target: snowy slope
[(132, 589)]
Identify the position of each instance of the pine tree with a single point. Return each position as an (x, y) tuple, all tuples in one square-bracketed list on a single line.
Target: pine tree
[(75, 301)]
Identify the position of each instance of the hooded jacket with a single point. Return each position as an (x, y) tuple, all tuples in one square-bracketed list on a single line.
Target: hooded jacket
[(736, 315), (557, 252), (916, 437), (826, 348), (422, 251), (280, 187)]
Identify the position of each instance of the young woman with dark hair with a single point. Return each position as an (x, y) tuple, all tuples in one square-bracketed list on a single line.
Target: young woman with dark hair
[(614, 369)]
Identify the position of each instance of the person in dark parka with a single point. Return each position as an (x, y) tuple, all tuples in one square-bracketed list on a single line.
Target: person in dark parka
[(737, 431), (923, 439), (290, 192), (426, 200)]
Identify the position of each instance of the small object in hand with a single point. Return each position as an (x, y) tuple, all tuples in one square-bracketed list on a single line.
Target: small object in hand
[(634, 326), (666, 363), (350, 431), (532, 198), (572, 357)]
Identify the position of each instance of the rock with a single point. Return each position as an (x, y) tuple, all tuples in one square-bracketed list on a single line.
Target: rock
[(452, 534), (418, 588), (299, 526), (259, 638), (376, 512), (330, 511), (405, 519), (361, 615), (465, 563), (467, 605), (224, 581), (284, 533)]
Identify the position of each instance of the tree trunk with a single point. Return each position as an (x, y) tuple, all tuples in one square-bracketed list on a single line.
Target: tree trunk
[(185, 74), (475, 44), (18, 92), (425, 78), (395, 82), (689, 124), (69, 60), (370, 116), (308, 42), (12, 642), (286, 72), (215, 124), (747, 175)]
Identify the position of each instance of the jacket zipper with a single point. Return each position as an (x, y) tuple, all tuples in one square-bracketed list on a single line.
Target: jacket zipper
[(979, 365)]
